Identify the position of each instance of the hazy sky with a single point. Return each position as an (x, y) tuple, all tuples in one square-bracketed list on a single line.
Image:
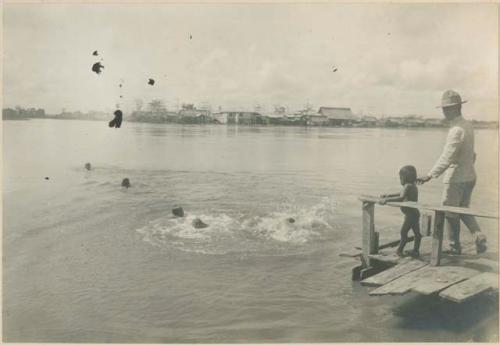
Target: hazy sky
[(392, 59)]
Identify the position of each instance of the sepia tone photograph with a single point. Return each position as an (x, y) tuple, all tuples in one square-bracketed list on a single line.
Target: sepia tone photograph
[(250, 172)]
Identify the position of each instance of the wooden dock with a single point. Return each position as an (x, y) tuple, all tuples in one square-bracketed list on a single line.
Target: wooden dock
[(453, 277)]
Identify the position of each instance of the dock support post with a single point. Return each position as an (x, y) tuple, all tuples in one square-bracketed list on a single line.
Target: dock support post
[(426, 224), (376, 242), (368, 237), (437, 238)]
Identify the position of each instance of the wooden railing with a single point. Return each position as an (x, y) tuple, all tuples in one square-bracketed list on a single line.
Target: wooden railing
[(370, 237)]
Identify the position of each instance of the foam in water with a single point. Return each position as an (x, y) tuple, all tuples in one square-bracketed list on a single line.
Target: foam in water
[(182, 228), (308, 225), (240, 232)]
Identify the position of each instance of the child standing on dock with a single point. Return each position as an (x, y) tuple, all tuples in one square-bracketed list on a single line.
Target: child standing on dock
[(409, 192)]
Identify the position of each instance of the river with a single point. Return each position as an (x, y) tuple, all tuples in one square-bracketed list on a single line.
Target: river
[(85, 260)]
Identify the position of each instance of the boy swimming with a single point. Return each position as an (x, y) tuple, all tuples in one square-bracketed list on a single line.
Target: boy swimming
[(409, 192)]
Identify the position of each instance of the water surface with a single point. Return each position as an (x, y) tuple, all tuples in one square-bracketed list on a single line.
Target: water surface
[(86, 260)]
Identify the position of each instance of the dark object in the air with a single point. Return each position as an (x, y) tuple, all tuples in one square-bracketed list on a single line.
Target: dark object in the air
[(291, 220), (151, 81), (120, 85), (334, 69), (97, 67), (95, 53), (198, 224), (126, 183), (121, 96), (190, 37), (178, 211), (46, 178), (88, 166), (117, 121)]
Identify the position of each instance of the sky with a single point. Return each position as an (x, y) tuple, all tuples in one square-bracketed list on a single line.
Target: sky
[(391, 59)]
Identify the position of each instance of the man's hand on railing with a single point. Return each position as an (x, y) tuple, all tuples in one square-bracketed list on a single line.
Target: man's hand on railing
[(423, 179)]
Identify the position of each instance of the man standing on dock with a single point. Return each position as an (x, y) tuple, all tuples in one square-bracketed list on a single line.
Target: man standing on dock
[(457, 160)]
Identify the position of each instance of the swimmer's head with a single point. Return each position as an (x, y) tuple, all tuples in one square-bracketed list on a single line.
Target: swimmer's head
[(126, 183), (408, 174)]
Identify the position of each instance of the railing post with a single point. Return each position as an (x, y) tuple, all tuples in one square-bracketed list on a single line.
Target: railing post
[(426, 224), (437, 238), (368, 226)]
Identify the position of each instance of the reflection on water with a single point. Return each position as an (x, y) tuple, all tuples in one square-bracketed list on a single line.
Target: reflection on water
[(87, 260)]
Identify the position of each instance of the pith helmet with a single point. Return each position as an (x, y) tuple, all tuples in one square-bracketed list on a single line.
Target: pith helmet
[(450, 98)]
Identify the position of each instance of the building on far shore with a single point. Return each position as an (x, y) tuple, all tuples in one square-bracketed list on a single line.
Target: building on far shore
[(368, 121), (316, 120), (435, 122), (405, 121), (338, 116), (21, 113), (220, 118), (238, 118), (152, 116), (190, 114)]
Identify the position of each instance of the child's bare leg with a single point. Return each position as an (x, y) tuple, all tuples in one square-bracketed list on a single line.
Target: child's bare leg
[(418, 239), (399, 251), (404, 236)]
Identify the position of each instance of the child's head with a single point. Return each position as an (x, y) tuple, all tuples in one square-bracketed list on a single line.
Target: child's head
[(408, 174)]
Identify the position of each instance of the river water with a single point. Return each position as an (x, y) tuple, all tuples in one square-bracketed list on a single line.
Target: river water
[(86, 260)]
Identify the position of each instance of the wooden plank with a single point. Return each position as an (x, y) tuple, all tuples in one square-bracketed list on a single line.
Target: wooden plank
[(438, 278), (412, 204), (399, 286), (409, 265), (425, 280), (461, 210), (437, 238), (389, 255), (390, 258), (368, 228), (368, 272), (482, 264), (471, 287), (394, 243), (391, 244), (350, 254)]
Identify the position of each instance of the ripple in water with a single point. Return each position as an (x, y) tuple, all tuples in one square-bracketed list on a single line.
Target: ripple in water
[(268, 234)]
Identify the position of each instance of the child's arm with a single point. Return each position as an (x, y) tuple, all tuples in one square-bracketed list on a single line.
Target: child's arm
[(390, 195), (396, 197)]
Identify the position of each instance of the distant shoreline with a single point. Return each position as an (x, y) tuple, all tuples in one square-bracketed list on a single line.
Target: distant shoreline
[(480, 125), (330, 117)]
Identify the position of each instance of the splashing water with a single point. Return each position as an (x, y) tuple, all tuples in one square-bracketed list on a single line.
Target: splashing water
[(241, 232)]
